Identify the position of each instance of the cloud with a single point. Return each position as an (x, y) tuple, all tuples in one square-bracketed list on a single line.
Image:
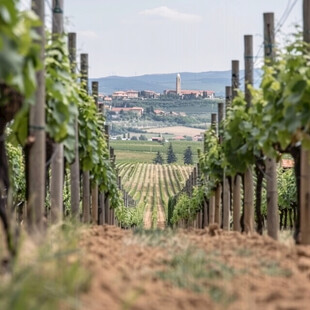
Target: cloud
[(171, 14), (89, 34)]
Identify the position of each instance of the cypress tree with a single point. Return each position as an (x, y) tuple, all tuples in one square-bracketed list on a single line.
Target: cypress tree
[(158, 159), (188, 156), (171, 157)]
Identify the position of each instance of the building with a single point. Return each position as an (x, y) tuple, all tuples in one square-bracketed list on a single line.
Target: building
[(124, 95), (119, 95), (149, 94), (178, 84), (137, 110), (188, 94), (132, 94)]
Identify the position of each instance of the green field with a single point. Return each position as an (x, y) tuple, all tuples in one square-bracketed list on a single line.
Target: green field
[(145, 151)]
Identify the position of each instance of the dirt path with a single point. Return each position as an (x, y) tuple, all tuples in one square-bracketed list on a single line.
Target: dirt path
[(161, 218), (193, 270), (147, 219)]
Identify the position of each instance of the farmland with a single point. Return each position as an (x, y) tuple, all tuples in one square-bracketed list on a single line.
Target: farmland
[(145, 151), (151, 186)]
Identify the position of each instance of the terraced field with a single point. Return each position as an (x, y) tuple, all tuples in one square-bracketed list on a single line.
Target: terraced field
[(151, 186)]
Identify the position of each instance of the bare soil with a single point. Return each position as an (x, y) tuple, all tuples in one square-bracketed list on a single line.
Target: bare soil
[(193, 269)]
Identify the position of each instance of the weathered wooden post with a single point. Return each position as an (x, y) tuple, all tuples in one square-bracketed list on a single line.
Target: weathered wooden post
[(37, 157), (57, 164), (212, 204), (248, 176), (271, 165), (305, 156), (107, 209), (75, 166), (234, 77), (226, 187), (218, 202), (94, 191), (86, 179)]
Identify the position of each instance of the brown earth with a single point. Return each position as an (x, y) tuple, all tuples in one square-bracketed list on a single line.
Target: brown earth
[(195, 269)]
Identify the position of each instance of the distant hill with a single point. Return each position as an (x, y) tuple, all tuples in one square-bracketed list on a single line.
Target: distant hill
[(212, 80)]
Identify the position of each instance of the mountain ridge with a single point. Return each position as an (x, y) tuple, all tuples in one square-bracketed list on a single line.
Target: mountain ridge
[(209, 80)]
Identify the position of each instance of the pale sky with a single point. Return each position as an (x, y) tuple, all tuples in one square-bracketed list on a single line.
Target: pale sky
[(135, 37)]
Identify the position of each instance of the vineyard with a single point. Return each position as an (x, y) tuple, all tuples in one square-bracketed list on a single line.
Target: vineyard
[(82, 228), (151, 186)]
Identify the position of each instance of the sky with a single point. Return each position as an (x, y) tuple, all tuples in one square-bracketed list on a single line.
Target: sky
[(135, 37)]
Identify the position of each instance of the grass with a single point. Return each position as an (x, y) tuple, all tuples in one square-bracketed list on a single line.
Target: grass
[(145, 151), (195, 270), (47, 276), (273, 269)]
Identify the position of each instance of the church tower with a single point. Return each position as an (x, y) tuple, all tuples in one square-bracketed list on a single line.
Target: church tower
[(178, 88)]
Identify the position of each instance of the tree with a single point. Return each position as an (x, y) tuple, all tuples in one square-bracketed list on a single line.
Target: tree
[(158, 159), (143, 138), (188, 156), (133, 138), (171, 157)]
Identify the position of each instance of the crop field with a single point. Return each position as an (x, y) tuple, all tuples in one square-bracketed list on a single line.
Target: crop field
[(151, 186), (177, 130), (145, 151)]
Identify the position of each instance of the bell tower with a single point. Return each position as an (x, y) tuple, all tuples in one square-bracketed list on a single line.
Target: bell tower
[(178, 84)]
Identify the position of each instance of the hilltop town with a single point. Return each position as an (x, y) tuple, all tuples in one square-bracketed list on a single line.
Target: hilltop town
[(121, 102)]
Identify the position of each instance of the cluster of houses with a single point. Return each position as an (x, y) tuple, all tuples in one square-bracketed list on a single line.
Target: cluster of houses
[(139, 112), (149, 94)]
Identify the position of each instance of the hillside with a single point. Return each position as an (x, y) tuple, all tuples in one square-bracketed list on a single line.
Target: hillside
[(212, 80)]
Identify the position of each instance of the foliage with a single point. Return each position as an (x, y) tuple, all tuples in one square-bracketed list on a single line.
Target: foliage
[(18, 53), (47, 277), (142, 138), (62, 95), (93, 148), (17, 172), (187, 207), (171, 157), (188, 156), (211, 161), (158, 159), (286, 188)]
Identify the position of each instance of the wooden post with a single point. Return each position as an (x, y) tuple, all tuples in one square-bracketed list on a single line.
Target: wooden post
[(212, 210), (75, 166), (220, 114), (57, 164), (228, 97), (234, 78), (226, 192), (305, 156), (107, 198), (235, 83), (213, 121), (248, 177), (236, 203), (95, 88), (95, 198), (195, 176), (270, 163), (86, 176), (226, 204), (218, 213), (37, 157), (248, 67), (205, 213), (101, 220)]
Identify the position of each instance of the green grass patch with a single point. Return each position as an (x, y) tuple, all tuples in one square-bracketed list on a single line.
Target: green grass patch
[(273, 269), (49, 277), (145, 151), (194, 270)]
